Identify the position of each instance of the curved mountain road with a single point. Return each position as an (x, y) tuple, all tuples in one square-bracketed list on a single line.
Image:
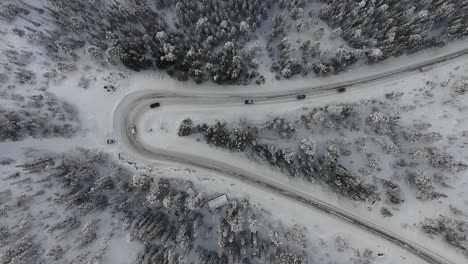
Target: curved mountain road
[(134, 105)]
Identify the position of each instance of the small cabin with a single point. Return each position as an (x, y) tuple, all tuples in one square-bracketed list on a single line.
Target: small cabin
[(218, 202)]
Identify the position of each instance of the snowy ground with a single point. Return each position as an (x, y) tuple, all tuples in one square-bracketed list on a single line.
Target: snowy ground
[(431, 94), (151, 80), (96, 122), (85, 89), (329, 239)]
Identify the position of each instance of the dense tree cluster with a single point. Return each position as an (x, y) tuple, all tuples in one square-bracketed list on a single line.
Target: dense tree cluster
[(219, 134), (198, 40), (168, 216), (30, 110), (309, 55), (424, 185), (9, 10), (452, 230), (343, 146), (444, 161), (221, 40), (397, 26), (461, 86), (41, 116), (394, 193), (303, 161), (25, 250)]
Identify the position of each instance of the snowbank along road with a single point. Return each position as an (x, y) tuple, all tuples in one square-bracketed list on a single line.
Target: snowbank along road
[(136, 104)]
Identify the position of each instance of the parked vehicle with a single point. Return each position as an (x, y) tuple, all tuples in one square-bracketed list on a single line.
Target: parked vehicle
[(248, 101), (154, 105), (218, 202), (425, 68), (341, 90), (133, 129), (301, 97)]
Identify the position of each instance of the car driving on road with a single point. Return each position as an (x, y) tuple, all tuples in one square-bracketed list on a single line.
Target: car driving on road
[(301, 97), (155, 105), (133, 129), (248, 101)]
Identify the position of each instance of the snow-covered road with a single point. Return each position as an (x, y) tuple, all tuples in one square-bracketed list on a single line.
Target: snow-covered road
[(133, 106)]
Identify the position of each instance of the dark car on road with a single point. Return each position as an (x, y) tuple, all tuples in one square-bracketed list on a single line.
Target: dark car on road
[(154, 105), (301, 97), (341, 90), (248, 101)]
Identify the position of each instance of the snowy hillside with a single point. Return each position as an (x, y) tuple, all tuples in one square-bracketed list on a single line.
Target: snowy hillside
[(388, 148), (117, 117), (236, 41)]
